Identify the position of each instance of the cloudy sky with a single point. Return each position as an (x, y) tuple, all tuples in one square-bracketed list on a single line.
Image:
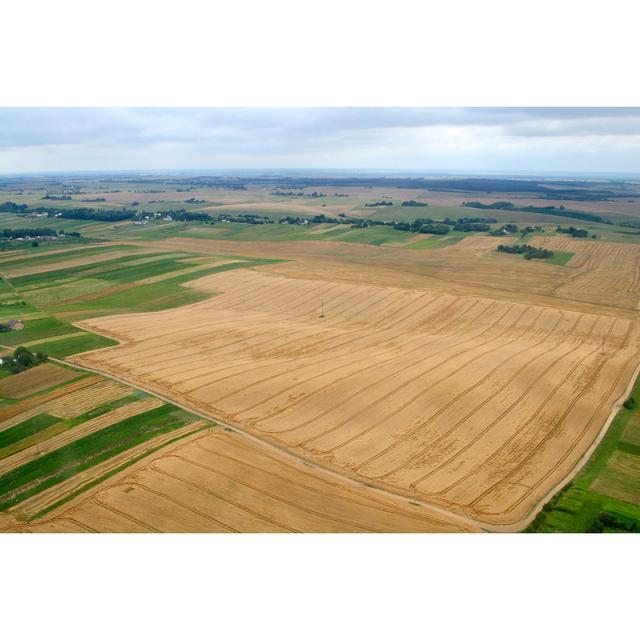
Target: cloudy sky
[(502, 140)]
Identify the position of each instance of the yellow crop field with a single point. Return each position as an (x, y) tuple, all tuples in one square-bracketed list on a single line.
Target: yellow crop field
[(220, 482), (477, 404)]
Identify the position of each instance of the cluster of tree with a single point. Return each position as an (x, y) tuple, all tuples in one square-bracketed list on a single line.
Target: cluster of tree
[(29, 233), (49, 196), (530, 253), (195, 201), (573, 232), (413, 203), (245, 218), (12, 207), (189, 216), (324, 219), (361, 223), (416, 225), (380, 203), (503, 205), (437, 229), (294, 220), (610, 522), (93, 200), (471, 226), (505, 229), (277, 192), (465, 220), (23, 359)]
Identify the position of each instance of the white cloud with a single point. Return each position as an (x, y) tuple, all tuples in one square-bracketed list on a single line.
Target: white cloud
[(464, 139)]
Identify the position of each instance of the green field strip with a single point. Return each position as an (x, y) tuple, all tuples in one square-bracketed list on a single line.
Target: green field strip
[(106, 407), (149, 297), (51, 295), (41, 257), (157, 296), (631, 433), (24, 429), (84, 453), (436, 242), (46, 278), (5, 287), (560, 257), (41, 341), (576, 511), (628, 447), (34, 438), (30, 435), (69, 346), (182, 278), (134, 273)]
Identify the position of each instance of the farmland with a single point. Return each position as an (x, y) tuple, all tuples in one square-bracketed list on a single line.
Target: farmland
[(71, 457), (374, 387), (416, 382), (72, 426)]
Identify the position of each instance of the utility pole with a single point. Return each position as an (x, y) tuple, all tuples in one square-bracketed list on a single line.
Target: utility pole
[(322, 308)]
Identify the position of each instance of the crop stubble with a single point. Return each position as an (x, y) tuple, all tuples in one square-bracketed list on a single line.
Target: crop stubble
[(480, 405)]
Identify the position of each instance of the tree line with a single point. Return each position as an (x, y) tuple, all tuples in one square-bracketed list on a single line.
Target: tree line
[(573, 232), (530, 253), (503, 205)]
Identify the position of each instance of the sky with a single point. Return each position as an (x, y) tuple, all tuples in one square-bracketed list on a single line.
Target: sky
[(465, 140)]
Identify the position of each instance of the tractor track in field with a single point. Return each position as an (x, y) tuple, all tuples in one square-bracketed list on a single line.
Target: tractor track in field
[(353, 479)]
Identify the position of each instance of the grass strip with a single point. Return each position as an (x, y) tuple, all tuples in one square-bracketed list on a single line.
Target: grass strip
[(77, 344)]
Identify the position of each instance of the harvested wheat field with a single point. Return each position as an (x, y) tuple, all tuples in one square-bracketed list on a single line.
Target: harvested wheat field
[(599, 269), (478, 405), (216, 481)]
